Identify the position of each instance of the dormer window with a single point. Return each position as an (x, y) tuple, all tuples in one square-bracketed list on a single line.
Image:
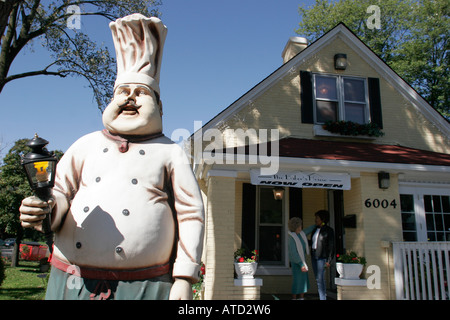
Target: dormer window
[(340, 98), (336, 97)]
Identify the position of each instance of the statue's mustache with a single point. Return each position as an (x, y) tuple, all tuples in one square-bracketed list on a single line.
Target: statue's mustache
[(130, 103)]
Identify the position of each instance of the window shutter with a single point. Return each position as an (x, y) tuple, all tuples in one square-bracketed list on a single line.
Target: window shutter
[(375, 102), (306, 97), (248, 216), (295, 203), (338, 201)]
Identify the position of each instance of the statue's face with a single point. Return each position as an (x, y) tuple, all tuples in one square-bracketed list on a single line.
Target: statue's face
[(134, 110)]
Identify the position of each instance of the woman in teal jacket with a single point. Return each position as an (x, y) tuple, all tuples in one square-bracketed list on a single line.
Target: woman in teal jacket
[(298, 249)]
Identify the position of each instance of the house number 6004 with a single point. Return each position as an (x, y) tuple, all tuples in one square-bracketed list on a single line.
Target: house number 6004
[(376, 203)]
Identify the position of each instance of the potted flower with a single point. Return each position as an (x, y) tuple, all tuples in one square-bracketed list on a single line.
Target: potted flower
[(350, 265), (245, 264)]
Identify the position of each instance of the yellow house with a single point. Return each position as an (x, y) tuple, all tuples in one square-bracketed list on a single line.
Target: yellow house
[(380, 189)]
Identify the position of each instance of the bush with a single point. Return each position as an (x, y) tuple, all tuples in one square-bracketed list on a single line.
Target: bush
[(2, 270)]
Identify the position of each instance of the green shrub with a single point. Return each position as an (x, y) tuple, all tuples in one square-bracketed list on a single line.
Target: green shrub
[(2, 270)]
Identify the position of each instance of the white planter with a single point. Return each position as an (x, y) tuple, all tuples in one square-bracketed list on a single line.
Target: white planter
[(350, 271), (245, 270)]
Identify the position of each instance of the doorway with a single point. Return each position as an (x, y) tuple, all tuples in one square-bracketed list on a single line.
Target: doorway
[(336, 209)]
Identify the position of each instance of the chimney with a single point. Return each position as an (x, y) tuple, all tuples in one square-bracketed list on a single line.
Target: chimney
[(294, 46)]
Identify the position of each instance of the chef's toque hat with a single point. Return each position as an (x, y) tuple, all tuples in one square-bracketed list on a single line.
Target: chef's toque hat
[(139, 43)]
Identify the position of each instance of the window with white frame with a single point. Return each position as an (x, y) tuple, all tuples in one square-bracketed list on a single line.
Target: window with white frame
[(425, 214), (264, 225), (437, 215), (270, 230), (340, 98)]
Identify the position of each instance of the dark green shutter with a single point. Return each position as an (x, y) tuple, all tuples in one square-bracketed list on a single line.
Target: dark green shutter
[(295, 203), (248, 216), (306, 97), (375, 102)]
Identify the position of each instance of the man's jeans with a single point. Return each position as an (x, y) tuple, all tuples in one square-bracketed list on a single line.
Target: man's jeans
[(319, 272)]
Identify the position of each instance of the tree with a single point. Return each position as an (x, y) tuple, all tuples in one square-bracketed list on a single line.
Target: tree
[(14, 188), (412, 38), (72, 51)]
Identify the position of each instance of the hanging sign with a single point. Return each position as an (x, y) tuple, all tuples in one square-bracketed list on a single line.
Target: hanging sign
[(300, 179)]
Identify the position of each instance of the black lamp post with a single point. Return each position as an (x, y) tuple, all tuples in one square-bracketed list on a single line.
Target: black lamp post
[(40, 168)]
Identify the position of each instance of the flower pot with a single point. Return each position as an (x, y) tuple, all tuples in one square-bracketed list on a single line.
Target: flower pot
[(350, 271), (245, 270)]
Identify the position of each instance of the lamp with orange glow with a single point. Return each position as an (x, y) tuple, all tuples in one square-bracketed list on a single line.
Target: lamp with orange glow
[(40, 168), (278, 193)]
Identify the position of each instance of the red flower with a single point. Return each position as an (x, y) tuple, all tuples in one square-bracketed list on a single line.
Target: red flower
[(202, 269), (241, 259), (256, 252), (337, 256)]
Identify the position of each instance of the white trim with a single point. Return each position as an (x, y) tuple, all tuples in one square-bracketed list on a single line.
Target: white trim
[(222, 173), (424, 184), (238, 163), (254, 282), (350, 283), (366, 165), (418, 190)]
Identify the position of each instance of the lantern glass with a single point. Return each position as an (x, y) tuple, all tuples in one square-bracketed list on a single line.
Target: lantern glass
[(340, 61), (40, 166), (383, 180), (41, 174)]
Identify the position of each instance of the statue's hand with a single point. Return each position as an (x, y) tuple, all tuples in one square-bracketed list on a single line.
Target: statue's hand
[(181, 290), (33, 211)]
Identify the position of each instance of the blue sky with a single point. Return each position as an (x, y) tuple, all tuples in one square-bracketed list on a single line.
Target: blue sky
[(215, 51)]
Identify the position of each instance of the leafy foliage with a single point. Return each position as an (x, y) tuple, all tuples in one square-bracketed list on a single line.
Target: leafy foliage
[(413, 38), (349, 128), (351, 257), (242, 255), (2, 271), (14, 187)]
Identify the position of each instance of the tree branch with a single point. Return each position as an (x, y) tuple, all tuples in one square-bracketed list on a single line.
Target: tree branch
[(5, 58), (62, 74)]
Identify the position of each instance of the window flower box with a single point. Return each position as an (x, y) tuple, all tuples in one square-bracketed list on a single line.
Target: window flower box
[(349, 128)]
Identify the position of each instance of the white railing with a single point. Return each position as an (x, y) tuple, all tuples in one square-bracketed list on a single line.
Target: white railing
[(422, 270)]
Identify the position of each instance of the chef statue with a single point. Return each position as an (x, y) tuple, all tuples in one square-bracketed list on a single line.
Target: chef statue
[(126, 208)]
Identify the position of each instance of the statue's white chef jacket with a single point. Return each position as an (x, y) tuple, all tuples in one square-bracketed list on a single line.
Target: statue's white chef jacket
[(113, 209)]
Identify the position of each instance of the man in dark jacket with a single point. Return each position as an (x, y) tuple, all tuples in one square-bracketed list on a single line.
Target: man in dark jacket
[(322, 249)]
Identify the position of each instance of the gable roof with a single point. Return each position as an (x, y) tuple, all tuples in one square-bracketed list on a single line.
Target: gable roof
[(363, 51)]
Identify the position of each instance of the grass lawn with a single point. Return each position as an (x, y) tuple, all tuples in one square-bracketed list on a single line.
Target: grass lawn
[(22, 282)]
